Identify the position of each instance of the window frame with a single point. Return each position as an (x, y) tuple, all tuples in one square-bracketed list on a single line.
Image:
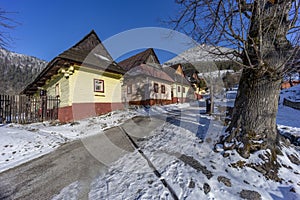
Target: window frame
[(57, 90), (163, 89), (98, 82), (178, 88), (129, 89), (155, 87)]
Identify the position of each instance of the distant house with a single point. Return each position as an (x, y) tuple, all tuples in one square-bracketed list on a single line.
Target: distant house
[(145, 82), (288, 84), (85, 79), (197, 83), (145, 57), (181, 87)]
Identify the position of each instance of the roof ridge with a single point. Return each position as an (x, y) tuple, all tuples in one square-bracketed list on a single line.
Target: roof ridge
[(92, 32), (137, 59)]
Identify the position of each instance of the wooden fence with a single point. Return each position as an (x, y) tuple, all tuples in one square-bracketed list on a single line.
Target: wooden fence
[(24, 109)]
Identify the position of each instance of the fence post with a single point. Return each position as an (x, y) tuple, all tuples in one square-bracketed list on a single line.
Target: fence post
[(27, 109)]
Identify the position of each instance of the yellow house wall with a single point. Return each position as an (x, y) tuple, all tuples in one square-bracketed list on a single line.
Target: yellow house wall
[(64, 89), (82, 86), (79, 87)]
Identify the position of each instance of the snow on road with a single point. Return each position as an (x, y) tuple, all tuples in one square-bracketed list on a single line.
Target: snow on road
[(190, 167), (185, 161), (21, 143)]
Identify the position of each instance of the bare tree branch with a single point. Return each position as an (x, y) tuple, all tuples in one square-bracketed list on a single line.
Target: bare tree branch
[(6, 23)]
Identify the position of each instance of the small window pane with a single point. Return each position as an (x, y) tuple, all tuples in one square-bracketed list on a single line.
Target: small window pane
[(155, 87), (57, 90), (163, 89), (129, 89), (98, 85)]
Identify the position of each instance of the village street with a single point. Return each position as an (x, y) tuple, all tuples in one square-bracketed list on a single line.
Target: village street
[(78, 160), (148, 156)]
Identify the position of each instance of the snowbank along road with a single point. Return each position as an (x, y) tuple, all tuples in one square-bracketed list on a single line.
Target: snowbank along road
[(79, 160)]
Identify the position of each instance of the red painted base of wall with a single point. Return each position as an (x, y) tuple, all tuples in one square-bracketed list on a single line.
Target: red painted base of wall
[(151, 102), (80, 111), (178, 100), (65, 114), (85, 110)]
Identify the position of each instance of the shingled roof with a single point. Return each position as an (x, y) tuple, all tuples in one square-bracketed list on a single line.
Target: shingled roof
[(138, 59), (148, 71), (91, 52), (88, 52)]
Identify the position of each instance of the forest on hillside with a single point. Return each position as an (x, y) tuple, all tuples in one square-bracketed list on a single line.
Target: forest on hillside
[(17, 71)]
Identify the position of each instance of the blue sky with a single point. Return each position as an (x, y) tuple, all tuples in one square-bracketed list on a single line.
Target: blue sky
[(49, 27)]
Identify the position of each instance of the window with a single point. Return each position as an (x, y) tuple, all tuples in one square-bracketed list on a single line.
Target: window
[(155, 87), (98, 85), (183, 89), (129, 89), (178, 89), (163, 89), (57, 90), (43, 93)]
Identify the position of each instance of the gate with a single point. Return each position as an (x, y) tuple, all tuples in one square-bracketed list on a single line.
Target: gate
[(25, 109)]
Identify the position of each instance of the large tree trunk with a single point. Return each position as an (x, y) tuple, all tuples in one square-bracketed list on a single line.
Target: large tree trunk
[(253, 125)]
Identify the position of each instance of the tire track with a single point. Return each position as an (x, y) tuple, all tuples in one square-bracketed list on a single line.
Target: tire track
[(150, 164)]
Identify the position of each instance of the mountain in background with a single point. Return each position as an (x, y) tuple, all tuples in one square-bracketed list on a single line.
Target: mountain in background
[(201, 53), (17, 71), (203, 58)]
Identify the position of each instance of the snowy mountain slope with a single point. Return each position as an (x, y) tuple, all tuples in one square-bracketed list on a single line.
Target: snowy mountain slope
[(17, 70), (200, 53)]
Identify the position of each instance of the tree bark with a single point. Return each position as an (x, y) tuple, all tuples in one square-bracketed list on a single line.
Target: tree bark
[(260, 29), (253, 125)]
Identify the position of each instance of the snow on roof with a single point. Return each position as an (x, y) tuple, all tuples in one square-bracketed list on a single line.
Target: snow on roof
[(201, 53)]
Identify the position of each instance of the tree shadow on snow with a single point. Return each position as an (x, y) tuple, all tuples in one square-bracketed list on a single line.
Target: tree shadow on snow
[(190, 119), (287, 193)]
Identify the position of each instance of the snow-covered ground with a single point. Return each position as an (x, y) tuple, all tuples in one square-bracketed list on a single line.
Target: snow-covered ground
[(190, 167), (181, 150), (292, 93), (20, 143), (288, 118)]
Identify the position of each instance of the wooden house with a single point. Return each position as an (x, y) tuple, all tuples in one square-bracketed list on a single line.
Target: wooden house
[(145, 82), (85, 79), (181, 87)]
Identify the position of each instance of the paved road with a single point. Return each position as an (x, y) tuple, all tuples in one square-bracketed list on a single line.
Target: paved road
[(79, 160)]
